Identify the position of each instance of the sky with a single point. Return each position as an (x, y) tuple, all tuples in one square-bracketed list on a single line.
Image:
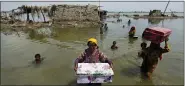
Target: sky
[(110, 6)]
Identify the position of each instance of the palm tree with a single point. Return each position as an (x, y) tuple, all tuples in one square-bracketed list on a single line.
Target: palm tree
[(45, 9), (41, 10), (27, 10), (33, 10), (33, 13), (37, 11), (53, 9)]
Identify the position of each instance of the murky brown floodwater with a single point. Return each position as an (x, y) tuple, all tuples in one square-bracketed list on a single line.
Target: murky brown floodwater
[(61, 46)]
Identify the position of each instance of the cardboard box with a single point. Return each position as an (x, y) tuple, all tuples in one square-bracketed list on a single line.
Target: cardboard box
[(94, 73), (156, 34)]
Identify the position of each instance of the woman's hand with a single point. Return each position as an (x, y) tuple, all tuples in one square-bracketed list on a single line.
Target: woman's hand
[(75, 68), (166, 44), (111, 66)]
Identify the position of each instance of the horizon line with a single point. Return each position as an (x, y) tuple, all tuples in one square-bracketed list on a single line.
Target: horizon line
[(92, 1)]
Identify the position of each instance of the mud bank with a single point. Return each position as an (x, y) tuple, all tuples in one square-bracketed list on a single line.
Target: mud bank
[(156, 17)]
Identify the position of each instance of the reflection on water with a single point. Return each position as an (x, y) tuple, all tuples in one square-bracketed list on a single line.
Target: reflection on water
[(135, 18), (154, 21), (131, 40), (34, 35), (62, 45)]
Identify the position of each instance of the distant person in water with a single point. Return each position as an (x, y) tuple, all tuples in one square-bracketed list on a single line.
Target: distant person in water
[(132, 31), (114, 45), (105, 27), (129, 22), (38, 59), (123, 26), (119, 20)]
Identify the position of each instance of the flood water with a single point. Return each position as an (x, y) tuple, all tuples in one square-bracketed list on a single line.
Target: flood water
[(61, 46)]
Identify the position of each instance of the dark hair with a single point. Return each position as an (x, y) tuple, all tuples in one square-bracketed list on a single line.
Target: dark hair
[(90, 42), (132, 28), (114, 42), (37, 55), (143, 44)]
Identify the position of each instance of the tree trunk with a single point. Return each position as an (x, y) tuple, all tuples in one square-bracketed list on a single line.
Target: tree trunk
[(43, 16), (28, 17), (33, 17), (21, 15)]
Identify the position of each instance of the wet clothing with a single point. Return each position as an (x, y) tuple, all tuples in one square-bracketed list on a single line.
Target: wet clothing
[(37, 61), (141, 53), (129, 22), (105, 27), (96, 57), (114, 47), (150, 58), (131, 33)]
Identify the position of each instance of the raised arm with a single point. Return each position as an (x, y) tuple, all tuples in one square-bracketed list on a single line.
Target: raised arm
[(166, 48)]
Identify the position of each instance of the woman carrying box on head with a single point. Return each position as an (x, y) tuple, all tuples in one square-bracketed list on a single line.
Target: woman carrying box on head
[(151, 55)]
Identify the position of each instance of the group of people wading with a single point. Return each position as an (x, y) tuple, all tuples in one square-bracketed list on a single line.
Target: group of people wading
[(150, 54)]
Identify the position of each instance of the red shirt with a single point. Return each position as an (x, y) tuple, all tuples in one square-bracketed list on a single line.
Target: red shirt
[(96, 57)]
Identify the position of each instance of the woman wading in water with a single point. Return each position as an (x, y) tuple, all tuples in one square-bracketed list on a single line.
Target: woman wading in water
[(150, 57)]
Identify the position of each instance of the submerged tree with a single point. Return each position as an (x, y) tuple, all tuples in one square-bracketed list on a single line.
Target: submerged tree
[(33, 13), (37, 11), (43, 11), (52, 10), (27, 10), (33, 10)]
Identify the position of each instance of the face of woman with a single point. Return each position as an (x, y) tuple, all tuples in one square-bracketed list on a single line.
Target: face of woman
[(92, 46)]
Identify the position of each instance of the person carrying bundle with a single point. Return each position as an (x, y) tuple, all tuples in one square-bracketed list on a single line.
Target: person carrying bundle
[(92, 55), (132, 31), (150, 57)]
